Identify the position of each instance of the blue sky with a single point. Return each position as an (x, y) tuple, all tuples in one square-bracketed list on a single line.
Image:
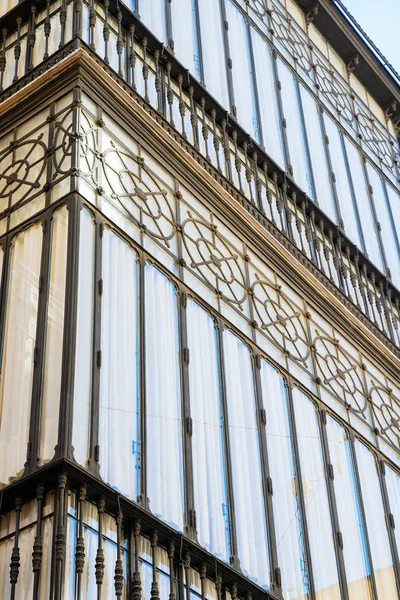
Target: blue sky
[(381, 21)]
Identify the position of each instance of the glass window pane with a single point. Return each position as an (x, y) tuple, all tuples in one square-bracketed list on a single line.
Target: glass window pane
[(153, 15), (394, 201), (270, 117), (350, 520), (393, 488), (185, 35), (385, 220), (318, 155), (84, 333), (54, 336), (118, 428), (213, 52), (18, 350), (364, 204), (246, 464), (342, 183), (242, 70), (288, 526), (376, 523), (294, 130), (313, 480), (163, 398), (207, 442)]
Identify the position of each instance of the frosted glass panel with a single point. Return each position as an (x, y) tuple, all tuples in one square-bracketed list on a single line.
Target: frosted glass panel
[(318, 155), (294, 130), (270, 117), (323, 557), (153, 15), (350, 521), (18, 350), (385, 220), (242, 70), (210, 496), (393, 487), (185, 35), (163, 398), (118, 428), (54, 336), (84, 340), (288, 526), (376, 523), (342, 183), (214, 63), (364, 204), (246, 464)]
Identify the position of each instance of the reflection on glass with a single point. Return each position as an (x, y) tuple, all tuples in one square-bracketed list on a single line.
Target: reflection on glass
[(350, 520), (288, 526), (242, 70), (376, 523), (118, 428), (246, 464), (163, 400), (326, 581), (207, 442)]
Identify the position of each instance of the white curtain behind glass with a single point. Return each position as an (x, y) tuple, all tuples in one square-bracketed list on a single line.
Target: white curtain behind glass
[(241, 70), (246, 465), (214, 64), (152, 13), (163, 399), (84, 333), (207, 442), (270, 117), (54, 336), (185, 35), (320, 534), (393, 487), (19, 344), (354, 550), (118, 428), (289, 536), (376, 523)]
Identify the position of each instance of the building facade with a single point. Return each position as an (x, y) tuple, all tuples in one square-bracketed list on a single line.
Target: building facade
[(199, 302)]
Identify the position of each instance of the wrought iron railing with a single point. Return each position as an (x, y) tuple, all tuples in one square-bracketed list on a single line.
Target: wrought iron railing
[(35, 36)]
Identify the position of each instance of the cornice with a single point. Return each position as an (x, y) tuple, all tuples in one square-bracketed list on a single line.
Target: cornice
[(90, 73)]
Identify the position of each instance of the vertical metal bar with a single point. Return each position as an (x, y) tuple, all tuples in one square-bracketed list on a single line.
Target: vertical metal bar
[(228, 60), (80, 543), (100, 562), (155, 591), (337, 535), (119, 570), (388, 517), (299, 486), (199, 39), (15, 555), (171, 554), (63, 21), (17, 49), (267, 482), (360, 500), (3, 57), (5, 275), (30, 40), (233, 559), (37, 551), (136, 580), (254, 84), (77, 19), (190, 513), (96, 348), (143, 499), (60, 538)]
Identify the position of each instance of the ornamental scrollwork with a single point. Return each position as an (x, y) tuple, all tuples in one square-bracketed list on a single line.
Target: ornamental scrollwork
[(280, 319), (214, 260), (386, 411), (22, 166), (340, 373)]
